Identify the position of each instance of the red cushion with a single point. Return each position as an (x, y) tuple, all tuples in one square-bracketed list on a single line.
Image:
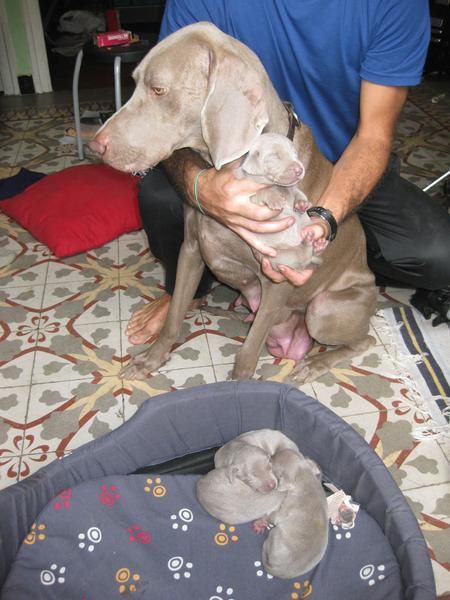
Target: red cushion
[(78, 208)]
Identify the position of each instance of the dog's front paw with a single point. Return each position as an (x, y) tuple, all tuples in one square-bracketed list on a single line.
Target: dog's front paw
[(260, 526), (306, 372), (143, 365), (134, 370)]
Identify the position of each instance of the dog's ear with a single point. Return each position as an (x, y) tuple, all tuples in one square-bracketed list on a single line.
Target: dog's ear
[(234, 113)]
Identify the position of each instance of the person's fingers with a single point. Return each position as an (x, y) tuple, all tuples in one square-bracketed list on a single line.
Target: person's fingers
[(270, 272)]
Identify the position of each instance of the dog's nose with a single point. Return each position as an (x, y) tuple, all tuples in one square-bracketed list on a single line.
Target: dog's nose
[(98, 146), (271, 485)]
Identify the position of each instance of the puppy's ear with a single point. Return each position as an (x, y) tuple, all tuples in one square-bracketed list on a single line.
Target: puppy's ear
[(232, 472), (234, 113), (314, 467)]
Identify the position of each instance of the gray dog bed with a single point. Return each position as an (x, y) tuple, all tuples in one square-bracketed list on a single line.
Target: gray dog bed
[(92, 530)]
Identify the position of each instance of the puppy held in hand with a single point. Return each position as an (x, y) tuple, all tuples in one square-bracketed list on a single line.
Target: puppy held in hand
[(273, 159), (298, 536)]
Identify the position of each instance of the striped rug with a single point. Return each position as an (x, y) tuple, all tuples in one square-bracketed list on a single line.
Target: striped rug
[(424, 352)]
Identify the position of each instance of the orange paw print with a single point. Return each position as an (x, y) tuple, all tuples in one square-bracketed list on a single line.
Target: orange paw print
[(301, 593), (222, 537), (158, 490), (36, 533), (123, 577)]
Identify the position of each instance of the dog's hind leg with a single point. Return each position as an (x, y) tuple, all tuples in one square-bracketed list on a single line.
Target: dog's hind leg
[(339, 319), (272, 298)]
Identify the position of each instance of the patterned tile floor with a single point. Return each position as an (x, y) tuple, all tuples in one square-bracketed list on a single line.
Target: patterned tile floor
[(62, 325)]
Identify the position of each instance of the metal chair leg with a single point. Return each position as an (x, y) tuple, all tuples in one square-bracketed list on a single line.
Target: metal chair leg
[(117, 88), (76, 103)]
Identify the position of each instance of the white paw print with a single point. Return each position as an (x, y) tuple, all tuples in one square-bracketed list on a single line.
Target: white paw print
[(340, 534), (221, 590), (53, 575), (186, 515), (94, 535), (260, 571), (176, 564), (371, 574)]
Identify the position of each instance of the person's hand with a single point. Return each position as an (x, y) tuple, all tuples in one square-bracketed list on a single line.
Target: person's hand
[(226, 199)]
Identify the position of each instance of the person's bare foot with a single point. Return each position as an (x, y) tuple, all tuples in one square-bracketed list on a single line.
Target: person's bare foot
[(146, 322)]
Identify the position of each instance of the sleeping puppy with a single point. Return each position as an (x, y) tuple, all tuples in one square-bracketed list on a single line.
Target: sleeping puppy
[(233, 501), (273, 159), (298, 534), (243, 486), (268, 440)]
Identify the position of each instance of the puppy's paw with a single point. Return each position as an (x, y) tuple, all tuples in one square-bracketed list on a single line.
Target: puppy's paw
[(260, 526)]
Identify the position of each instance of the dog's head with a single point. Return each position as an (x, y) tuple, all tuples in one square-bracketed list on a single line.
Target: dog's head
[(197, 88), (273, 158), (290, 466), (253, 466)]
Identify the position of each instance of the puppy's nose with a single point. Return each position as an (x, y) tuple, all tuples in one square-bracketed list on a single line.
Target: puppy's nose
[(98, 146), (271, 485), (296, 170)]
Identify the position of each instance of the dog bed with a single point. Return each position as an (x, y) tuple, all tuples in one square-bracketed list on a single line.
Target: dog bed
[(91, 530)]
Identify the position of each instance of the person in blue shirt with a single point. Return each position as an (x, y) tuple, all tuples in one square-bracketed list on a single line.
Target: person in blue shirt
[(346, 65)]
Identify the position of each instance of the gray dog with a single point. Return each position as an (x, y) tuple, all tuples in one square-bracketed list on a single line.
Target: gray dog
[(273, 159), (218, 103), (298, 536), (243, 486)]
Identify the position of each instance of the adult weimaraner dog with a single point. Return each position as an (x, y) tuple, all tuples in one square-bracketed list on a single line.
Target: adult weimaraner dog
[(202, 89)]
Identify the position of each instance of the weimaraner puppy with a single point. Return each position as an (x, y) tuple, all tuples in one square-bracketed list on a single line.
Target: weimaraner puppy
[(233, 501), (298, 535), (202, 89), (273, 159), (248, 457), (268, 440)]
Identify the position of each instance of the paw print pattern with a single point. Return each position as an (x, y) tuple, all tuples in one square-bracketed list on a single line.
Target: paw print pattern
[(179, 567), (260, 571), (222, 537), (158, 490), (301, 590), (137, 535), (109, 495), (371, 574), (63, 499), (222, 593), (184, 514), (53, 575), (92, 535), (35, 534), (127, 581), (339, 533)]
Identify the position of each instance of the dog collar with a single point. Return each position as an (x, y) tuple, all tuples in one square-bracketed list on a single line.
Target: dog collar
[(294, 121)]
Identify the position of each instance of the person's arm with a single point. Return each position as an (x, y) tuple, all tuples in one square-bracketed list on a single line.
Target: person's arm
[(360, 167), (221, 196)]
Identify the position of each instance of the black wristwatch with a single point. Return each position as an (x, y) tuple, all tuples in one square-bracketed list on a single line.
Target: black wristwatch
[(327, 216)]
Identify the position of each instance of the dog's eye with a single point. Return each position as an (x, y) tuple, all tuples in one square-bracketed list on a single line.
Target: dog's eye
[(159, 91)]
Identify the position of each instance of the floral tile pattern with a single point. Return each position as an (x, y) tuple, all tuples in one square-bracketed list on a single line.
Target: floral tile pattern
[(63, 342)]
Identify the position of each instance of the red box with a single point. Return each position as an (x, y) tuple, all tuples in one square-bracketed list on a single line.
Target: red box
[(113, 38), (112, 20)]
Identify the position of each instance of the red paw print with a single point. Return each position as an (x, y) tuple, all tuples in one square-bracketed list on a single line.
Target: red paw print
[(63, 499), (109, 496), (136, 535)]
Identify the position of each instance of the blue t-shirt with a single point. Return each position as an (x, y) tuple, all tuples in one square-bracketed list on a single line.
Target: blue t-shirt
[(317, 51)]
